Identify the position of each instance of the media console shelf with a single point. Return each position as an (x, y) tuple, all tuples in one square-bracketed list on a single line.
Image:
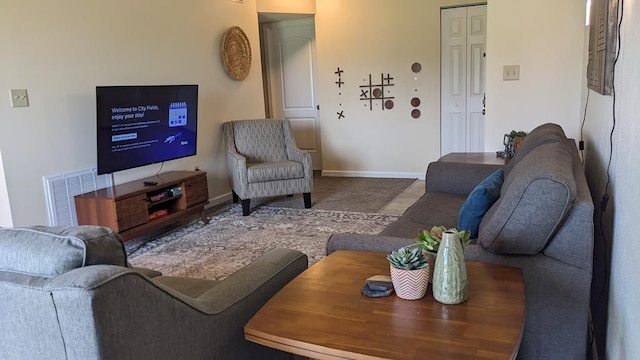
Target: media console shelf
[(133, 209)]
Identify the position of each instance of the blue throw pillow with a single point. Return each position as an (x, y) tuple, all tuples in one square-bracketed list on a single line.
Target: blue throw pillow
[(479, 201)]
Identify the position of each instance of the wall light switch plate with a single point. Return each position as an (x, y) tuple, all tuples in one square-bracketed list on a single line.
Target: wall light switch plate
[(19, 98), (511, 72)]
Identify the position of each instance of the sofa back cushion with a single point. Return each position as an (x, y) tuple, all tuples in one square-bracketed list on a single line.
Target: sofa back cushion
[(534, 200), (543, 134), (51, 251)]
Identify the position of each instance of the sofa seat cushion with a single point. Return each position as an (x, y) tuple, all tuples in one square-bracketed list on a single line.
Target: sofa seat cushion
[(50, 251), (432, 209), (481, 198), (535, 198), (274, 171)]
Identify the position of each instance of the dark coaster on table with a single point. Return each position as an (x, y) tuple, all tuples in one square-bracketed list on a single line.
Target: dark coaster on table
[(365, 290), (379, 283)]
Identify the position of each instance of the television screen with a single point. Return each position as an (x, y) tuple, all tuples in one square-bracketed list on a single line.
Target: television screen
[(142, 125)]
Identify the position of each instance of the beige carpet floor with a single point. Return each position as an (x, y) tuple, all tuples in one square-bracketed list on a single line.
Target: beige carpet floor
[(368, 195)]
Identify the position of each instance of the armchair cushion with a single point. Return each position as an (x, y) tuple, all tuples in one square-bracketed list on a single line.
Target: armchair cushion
[(274, 171), (51, 251), (260, 141)]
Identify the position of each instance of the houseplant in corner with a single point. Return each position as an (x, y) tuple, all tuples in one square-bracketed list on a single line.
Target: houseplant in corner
[(409, 272), (429, 241), (515, 138)]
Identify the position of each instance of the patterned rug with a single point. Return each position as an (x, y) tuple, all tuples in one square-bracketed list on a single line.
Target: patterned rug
[(231, 241)]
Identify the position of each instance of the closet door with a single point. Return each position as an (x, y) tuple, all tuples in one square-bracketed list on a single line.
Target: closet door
[(463, 44)]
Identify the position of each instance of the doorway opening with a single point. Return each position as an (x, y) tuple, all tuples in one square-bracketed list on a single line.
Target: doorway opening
[(287, 48)]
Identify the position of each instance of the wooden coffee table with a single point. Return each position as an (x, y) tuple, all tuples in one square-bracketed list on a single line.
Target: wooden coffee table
[(321, 314)]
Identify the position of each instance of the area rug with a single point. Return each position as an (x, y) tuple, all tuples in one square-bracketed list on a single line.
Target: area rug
[(231, 241)]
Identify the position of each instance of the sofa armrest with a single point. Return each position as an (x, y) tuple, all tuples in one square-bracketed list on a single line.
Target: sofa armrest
[(255, 283), (238, 170), (456, 178), (362, 242), (295, 154), (150, 273), (95, 303), (301, 156)]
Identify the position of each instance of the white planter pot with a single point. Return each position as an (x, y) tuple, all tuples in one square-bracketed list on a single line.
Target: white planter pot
[(410, 284)]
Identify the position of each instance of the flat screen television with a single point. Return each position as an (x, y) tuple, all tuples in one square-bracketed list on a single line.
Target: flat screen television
[(142, 125)]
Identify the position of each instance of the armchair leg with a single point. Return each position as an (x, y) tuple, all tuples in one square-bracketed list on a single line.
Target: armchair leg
[(234, 196), (245, 207), (307, 200)]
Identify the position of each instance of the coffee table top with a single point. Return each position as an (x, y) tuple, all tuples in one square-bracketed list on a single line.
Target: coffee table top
[(321, 314)]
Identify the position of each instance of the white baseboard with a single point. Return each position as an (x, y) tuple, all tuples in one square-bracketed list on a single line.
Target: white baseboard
[(218, 200), (373, 174)]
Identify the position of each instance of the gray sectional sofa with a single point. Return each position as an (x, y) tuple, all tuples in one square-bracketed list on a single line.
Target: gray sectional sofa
[(69, 293), (541, 223)]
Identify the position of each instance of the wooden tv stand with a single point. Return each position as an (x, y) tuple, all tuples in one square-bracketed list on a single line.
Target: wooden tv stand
[(133, 209)]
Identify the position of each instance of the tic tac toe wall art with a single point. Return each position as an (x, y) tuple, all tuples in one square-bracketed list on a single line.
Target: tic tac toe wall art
[(377, 93), (339, 83), (415, 102)]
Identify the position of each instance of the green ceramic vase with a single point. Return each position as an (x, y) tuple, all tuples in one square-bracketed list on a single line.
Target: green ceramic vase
[(450, 284)]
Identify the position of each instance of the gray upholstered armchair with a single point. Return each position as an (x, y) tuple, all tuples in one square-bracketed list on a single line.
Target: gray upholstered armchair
[(67, 293), (264, 161)]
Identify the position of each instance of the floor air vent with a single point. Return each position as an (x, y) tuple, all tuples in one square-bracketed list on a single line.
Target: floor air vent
[(61, 189)]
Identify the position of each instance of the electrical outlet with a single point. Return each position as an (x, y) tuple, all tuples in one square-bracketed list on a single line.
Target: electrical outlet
[(196, 168), (511, 72), (19, 98)]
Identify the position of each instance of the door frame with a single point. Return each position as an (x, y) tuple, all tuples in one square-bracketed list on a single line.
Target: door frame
[(265, 27), (467, 75)]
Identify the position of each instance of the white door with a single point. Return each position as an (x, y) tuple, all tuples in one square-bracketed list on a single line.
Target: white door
[(463, 44), (290, 84)]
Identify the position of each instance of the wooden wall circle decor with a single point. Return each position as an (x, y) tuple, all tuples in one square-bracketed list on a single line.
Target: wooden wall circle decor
[(236, 53)]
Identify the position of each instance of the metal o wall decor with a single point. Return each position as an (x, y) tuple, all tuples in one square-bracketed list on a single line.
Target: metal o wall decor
[(236, 53)]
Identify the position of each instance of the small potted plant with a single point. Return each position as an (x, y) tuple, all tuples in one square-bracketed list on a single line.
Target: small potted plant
[(409, 272), (429, 241), (516, 138)]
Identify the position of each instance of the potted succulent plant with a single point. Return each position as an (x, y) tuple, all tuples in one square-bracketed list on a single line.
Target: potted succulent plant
[(409, 272), (516, 138), (429, 241)]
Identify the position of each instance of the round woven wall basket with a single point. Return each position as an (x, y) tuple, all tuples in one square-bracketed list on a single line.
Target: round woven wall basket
[(236, 53)]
